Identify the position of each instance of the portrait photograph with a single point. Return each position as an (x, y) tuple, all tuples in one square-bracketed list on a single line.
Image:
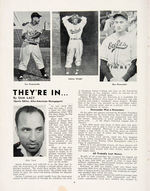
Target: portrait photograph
[(29, 131)]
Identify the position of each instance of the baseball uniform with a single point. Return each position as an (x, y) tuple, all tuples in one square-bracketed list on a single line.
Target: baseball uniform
[(119, 52), (75, 45), (31, 46)]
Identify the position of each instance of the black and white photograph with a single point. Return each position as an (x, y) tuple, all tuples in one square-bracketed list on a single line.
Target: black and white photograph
[(31, 46), (29, 128), (118, 46), (75, 43)]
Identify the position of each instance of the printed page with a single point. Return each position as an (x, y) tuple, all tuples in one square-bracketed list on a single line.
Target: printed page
[(74, 95)]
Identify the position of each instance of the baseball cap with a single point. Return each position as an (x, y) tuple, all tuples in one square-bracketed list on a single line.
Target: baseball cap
[(122, 14), (35, 14)]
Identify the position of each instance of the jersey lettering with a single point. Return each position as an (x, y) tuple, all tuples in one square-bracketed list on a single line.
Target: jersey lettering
[(117, 45), (75, 31)]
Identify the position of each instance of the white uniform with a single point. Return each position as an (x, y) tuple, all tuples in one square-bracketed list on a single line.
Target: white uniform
[(119, 52), (75, 45), (31, 47)]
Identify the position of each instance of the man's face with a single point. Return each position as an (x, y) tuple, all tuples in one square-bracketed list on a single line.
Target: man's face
[(30, 131), (120, 24), (35, 20), (75, 21)]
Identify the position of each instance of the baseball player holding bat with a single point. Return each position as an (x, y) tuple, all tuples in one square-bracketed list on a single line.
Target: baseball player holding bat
[(74, 25), (118, 52), (31, 38)]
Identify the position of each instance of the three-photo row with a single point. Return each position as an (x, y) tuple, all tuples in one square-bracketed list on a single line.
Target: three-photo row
[(87, 43)]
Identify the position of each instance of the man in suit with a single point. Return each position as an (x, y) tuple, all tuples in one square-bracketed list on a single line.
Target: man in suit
[(30, 129)]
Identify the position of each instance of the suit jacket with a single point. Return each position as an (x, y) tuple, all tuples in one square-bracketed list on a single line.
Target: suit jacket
[(17, 151)]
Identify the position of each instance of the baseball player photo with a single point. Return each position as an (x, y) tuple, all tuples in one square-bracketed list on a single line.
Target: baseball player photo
[(31, 46), (74, 43), (118, 46)]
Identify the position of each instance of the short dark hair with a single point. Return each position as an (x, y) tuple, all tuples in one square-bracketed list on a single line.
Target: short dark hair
[(28, 109)]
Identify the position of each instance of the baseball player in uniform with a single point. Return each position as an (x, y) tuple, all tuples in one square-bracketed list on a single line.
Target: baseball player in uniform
[(31, 38), (118, 52), (74, 25)]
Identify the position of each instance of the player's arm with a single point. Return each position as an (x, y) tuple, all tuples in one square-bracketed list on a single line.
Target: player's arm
[(131, 71), (105, 71), (133, 68), (24, 36), (65, 20), (24, 32), (38, 32), (36, 35), (83, 20)]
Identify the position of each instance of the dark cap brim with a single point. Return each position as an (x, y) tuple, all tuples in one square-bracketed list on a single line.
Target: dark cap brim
[(121, 15), (36, 15)]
